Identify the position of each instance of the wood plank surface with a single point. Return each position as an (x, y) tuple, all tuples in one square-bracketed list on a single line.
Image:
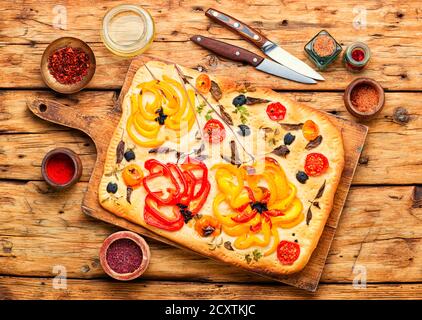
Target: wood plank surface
[(390, 31), (380, 228), (41, 288), (382, 161), (40, 229)]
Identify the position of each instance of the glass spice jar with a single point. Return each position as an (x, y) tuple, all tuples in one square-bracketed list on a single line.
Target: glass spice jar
[(356, 56), (322, 49)]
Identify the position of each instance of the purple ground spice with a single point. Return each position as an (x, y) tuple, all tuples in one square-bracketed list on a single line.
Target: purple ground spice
[(124, 256)]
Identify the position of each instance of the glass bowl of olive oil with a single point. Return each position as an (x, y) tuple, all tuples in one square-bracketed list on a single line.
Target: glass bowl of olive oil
[(127, 30)]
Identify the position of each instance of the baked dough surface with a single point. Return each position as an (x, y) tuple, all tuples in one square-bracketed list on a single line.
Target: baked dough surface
[(307, 236)]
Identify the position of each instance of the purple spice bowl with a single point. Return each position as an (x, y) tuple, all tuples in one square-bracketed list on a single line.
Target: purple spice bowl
[(124, 255)]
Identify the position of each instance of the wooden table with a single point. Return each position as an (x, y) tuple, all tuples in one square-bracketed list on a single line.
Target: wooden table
[(381, 226)]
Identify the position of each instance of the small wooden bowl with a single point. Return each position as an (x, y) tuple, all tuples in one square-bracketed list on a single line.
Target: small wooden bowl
[(348, 102), (76, 162), (146, 255), (48, 77)]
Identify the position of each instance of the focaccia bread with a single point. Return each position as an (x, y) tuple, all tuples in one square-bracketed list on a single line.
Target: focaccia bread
[(245, 177)]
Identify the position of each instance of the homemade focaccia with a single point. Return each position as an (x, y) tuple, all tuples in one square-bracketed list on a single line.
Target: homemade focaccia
[(246, 177)]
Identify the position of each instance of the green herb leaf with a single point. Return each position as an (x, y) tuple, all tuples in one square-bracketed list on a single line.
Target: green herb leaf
[(256, 254), (248, 258), (208, 116), (200, 107)]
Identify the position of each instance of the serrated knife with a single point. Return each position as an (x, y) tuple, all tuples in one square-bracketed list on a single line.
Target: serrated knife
[(270, 48), (239, 54)]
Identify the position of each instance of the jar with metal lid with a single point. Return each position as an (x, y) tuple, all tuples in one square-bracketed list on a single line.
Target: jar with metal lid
[(127, 30)]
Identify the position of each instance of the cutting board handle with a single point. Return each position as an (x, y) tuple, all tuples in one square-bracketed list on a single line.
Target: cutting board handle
[(93, 124)]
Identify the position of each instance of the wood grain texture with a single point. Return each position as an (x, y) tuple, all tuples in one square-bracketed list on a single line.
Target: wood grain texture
[(382, 160), (40, 229), (391, 32), (30, 288), (380, 225)]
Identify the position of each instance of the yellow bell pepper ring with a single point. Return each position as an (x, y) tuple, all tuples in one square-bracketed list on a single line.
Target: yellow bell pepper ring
[(276, 240), (225, 220), (248, 240), (290, 214)]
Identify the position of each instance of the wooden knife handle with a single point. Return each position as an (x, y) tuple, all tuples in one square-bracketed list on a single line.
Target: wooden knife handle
[(228, 51), (237, 26)]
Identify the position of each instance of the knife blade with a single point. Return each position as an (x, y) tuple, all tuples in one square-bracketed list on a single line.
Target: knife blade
[(236, 53), (270, 48)]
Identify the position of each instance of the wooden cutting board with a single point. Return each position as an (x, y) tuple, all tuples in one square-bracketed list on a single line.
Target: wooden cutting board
[(99, 123)]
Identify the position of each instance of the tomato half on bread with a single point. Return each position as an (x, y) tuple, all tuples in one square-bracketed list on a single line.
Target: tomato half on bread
[(203, 83), (315, 164), (276, 111), (132, 175), (288, 252), (310, 130), (214, 131)]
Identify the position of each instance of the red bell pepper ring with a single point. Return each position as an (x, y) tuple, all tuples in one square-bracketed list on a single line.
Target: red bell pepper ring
[(244, 216), (152, 206), (153, 221), (190, 189), (174, 193), (251, 198), (196, 204), (180, 178), (256, 227), (274, 213)]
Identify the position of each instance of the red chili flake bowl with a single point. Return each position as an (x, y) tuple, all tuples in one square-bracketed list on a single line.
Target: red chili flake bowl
[(61, 168), (124, 255), (54, 47)]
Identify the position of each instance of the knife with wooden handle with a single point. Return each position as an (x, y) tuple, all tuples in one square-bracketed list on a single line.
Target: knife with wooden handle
[(235, 53), (270, 48), (249, 33)]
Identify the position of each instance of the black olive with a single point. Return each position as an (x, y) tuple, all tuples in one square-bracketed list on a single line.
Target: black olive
[(207, 231), (301, 177), (112, 187), (244, 130), (289, 138), (240, 100), (129, 155)]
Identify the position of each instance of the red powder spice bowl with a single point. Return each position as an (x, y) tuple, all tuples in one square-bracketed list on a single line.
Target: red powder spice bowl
[(125, 255), (61, 168), (67, 65), (364, 98)]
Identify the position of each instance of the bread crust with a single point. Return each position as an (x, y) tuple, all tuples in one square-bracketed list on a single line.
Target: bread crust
[(307, 235)]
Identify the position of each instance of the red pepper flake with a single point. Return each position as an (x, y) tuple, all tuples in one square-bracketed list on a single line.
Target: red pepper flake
[(68, 65), (60, 168), (124, 256)]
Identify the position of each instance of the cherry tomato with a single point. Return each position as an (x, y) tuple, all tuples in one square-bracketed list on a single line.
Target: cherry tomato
[(203, 83), (276, 111), (315, 164), (288, 252), (214, 131), (208, 226), (310, 130), (132, 175)]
